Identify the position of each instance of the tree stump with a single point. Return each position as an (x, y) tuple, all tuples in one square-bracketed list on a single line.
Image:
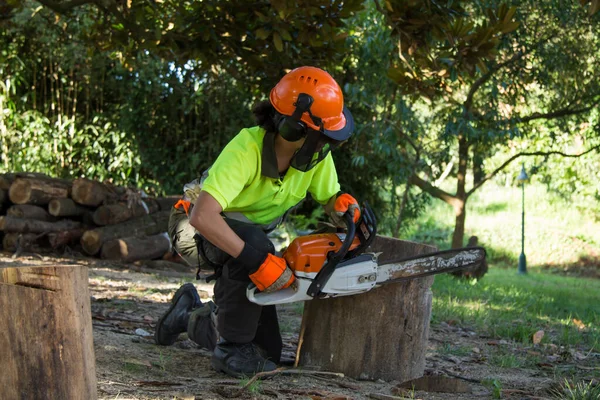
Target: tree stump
[(46, 341), (381, 334)]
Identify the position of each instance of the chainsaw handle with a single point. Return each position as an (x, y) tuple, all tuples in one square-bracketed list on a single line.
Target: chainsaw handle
[(333, 259), (350, 233)]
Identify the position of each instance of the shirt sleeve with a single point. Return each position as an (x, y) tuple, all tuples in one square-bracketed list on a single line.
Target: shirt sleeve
[(324, 183), (233, 170)]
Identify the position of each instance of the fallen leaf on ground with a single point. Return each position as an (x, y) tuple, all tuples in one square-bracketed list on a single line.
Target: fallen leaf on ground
[(538, 336), (580, 325)]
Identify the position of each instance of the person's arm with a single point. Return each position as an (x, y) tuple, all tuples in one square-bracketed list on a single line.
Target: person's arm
[(206, 218), (268, 272)]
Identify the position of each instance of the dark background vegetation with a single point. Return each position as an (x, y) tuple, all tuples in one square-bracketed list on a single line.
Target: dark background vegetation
[(447, 95)]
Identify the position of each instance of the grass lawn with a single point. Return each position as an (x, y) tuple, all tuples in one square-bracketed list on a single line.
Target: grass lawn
[(558, 300), (510, 306)]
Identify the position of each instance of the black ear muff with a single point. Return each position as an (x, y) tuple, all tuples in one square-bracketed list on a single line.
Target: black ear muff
[(291, 127)]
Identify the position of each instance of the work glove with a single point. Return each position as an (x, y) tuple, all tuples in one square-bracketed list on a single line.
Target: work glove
[(268, 272), (344, 203)]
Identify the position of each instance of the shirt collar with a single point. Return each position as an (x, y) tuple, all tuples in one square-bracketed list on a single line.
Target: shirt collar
[(269, 158)]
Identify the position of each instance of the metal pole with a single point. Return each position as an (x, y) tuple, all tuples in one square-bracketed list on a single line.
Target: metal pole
[(522, 259)]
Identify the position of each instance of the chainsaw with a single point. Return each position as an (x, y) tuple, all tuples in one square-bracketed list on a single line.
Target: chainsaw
[(338, 264)]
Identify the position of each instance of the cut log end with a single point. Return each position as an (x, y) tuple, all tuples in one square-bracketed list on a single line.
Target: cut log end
[(20, 191), (91, 241)]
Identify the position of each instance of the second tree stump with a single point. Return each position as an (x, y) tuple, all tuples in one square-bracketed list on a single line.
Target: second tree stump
[(381, 334)]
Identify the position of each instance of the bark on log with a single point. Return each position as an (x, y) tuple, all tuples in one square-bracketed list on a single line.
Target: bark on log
[(7, 179), (164, 265), (152, 224), (134, 249), (66, 208), (22, 225), (30, 211), (166, 203), (37, 190), (116, 213), (94, 193), (381, 334), (65, 238), (47, 347), (28, 242)]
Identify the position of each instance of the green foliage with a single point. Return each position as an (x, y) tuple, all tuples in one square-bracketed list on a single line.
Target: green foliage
[(439, 42), (495, 386), (148, 93), (578, 391)]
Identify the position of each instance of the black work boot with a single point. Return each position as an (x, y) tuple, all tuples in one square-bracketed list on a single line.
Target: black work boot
[(239, 360), (175, 320)]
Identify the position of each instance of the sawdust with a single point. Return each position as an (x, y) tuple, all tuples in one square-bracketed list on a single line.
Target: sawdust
[(126, 305)]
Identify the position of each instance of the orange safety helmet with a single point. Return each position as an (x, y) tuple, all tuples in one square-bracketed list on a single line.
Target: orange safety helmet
[(327, 101)]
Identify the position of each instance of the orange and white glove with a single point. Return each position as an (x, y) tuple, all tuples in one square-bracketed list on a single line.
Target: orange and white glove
[(268, 272), (344, 203), (273, 274)]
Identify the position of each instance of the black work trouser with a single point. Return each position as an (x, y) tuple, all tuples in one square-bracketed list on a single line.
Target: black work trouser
[(238, 319)]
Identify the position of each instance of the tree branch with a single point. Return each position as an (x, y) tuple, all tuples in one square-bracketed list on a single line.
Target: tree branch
[(432, 190), (554, 114), (486, 77), (524, 154), (63, 7)]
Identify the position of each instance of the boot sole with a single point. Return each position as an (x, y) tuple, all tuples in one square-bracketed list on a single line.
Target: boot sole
[(180, 292), (220, 366)]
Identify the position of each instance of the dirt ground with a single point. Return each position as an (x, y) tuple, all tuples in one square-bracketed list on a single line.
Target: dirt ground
[(127, 300)]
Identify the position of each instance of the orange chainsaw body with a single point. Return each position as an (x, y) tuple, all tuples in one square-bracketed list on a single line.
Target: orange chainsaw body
[(308, 253)]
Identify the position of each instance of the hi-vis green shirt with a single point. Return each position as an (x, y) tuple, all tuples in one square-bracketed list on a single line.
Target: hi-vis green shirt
[(245, 179)]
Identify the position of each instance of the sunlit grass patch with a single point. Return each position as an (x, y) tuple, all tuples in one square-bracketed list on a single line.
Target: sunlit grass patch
[(507, 305)]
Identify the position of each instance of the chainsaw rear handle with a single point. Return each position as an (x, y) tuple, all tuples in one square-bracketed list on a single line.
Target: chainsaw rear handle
[(333, 259), (366, 234)]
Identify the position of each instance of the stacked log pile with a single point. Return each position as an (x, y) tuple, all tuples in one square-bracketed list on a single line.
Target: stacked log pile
[(42, 214)]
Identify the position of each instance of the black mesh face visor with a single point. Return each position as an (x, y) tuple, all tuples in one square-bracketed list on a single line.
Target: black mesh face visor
[(313, 151)]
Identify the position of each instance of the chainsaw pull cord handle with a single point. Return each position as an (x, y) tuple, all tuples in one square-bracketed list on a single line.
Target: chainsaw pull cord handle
[(333, 259)]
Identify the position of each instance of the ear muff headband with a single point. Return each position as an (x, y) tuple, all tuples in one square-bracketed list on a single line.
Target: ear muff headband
[(291, 127)]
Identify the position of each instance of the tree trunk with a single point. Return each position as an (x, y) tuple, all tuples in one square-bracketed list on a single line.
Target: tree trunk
[(29, 211), (152, 224), (93, 193), (22, 225), (116, 213), (381, 334), (460, 215), (66, 208), (47, 343), (458, 235), (133, 249), (37, 190)]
